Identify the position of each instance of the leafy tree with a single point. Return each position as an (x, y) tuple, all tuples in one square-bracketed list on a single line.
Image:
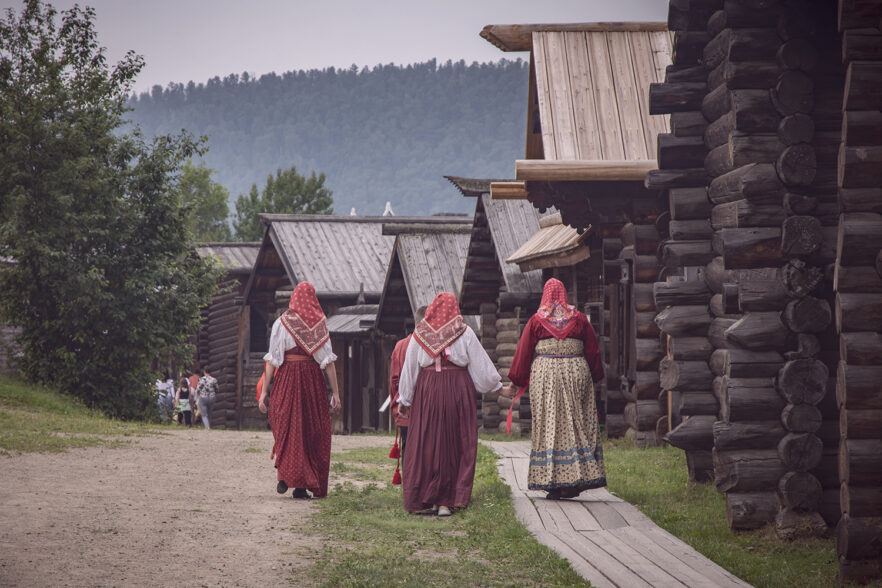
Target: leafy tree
[(207, 203), (286, 193), (103, 276)]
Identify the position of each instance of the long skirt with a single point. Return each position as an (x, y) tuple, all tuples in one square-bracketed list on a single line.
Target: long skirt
[(301, 424), (442, 440), (566, 451)]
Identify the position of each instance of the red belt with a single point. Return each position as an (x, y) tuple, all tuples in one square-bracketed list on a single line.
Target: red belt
[(445, 368)]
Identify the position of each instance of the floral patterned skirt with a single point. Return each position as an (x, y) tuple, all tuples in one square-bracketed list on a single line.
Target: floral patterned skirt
[(566, 450)]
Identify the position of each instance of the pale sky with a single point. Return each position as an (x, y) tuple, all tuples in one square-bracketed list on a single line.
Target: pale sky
[(185, 40)]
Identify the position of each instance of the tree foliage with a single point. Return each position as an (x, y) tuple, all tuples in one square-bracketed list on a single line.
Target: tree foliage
[(385, 133), (206, 201), (287, 192), (100, 274)]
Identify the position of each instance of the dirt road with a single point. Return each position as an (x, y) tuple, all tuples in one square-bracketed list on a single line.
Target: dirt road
[(184, 508)]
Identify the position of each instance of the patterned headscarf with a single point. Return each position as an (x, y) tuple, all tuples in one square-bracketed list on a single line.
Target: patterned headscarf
[(555, 312), (305, 319), (441, 326)]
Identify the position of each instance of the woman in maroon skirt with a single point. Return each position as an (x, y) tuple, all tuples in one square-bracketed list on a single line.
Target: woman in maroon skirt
[(300, 347), (444, 366)]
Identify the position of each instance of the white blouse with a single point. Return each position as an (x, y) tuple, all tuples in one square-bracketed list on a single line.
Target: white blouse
[(466, 351), (281, 340)]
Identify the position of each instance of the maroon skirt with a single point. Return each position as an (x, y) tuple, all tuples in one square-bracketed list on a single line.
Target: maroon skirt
[(442, 440), (301, 424)]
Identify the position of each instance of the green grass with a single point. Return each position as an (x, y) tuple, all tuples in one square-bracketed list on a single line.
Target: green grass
[(372, 541), (656, 481), (33, 418)]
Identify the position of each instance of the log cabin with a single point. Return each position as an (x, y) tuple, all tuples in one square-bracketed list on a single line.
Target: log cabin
[(778, 105), (426, 259), (590, 141), (499, 293), (346, 258), (219, 341)]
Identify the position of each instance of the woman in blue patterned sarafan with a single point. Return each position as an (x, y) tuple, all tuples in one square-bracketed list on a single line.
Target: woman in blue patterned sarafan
[(559, 359)]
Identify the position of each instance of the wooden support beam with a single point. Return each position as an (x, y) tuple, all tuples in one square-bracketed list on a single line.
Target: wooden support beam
[(508, 191), (520, 37), (582, 170)]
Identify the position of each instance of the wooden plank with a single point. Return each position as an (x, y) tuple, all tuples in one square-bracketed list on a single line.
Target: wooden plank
[(579, 560), (599, 495), (543, 94), (633, 559), (661, 43), (584, 109), (527, 514), (553, 516), (617, 572), (680, 569), (611, 139), (645, 72), (606, 515), (580, 518), (521, 469), (630, 513), (628, 97), (558, 75), (718, 575)]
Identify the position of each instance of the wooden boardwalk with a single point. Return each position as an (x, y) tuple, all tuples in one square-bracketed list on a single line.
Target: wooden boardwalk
[(606, 540)]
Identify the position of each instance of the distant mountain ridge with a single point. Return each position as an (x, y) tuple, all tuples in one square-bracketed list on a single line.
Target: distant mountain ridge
[(388, 133)]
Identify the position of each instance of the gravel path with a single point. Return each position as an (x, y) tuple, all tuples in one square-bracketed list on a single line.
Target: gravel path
[(183, 508)]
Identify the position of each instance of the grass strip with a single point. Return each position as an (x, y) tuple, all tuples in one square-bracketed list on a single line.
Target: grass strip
[(33, 418), (655, 480), (374, 542)]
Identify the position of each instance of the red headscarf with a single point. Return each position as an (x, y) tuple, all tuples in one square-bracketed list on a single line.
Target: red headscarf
[(441, 326), (555, 312), (305, 319)]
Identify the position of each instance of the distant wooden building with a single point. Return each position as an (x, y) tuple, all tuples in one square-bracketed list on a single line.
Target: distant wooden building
[(500, 293), (220, 338), (590, 142), (346, 258), (426, 259)]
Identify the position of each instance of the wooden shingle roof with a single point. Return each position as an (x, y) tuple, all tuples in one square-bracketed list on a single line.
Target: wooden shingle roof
[(238, 258), (337, 255)]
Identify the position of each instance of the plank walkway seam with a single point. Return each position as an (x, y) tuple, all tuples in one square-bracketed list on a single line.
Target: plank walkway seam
[(608, 541)]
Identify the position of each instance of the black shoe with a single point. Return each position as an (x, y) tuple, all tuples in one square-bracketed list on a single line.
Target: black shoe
[(281, 487), (300, 493), (553, 494)]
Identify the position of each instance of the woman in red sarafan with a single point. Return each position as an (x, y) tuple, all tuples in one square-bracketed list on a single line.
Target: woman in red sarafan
[(558, 357), (299, 349), (444, 366)]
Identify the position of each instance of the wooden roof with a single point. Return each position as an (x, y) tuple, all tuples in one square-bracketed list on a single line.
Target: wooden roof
[(592, 90), (553, 245), (352, 319), (588, 104), (422, 265), (337, 255), (499, 228), (238, 258)]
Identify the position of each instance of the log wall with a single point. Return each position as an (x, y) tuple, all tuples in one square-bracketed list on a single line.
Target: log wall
[(768, 208), (219, 348), (858, 296)]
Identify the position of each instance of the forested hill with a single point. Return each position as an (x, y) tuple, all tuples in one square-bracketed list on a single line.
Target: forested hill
[(383, 134)]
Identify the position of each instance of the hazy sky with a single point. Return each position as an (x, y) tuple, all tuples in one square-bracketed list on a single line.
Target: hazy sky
[(185, 40)]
